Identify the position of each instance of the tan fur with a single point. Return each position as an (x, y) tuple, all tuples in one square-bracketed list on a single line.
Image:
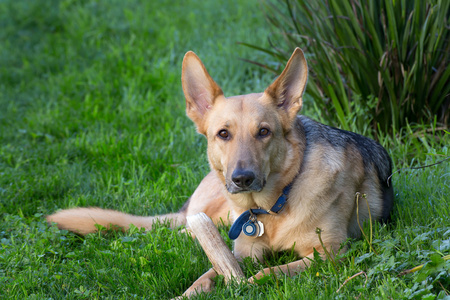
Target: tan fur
[(209, 198), (324, 176), (82, 220)]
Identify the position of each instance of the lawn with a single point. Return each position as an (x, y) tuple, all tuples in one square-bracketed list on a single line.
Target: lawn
[(92, 114)]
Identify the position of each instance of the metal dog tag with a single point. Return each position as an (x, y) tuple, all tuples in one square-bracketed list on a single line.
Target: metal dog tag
[(250, 228), (261, 228), (253, 229)]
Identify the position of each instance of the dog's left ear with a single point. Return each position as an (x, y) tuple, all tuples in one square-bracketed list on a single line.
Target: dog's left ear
[(287, 90), (199, 88)]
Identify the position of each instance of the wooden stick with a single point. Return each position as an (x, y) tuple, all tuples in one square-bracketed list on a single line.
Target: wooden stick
[(223, 261)]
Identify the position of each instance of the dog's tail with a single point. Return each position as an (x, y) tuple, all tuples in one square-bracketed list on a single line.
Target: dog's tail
[(83, 220)]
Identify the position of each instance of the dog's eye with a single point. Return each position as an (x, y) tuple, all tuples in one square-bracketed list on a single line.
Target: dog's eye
[(223, 134), (264, 132)]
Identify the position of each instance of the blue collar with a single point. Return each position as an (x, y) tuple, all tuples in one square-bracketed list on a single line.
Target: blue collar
[(236, 228)]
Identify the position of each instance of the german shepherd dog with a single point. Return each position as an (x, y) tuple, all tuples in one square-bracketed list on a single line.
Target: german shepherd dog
[(275, 175)]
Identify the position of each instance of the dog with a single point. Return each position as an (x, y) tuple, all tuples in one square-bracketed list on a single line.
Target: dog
[(276, 176)]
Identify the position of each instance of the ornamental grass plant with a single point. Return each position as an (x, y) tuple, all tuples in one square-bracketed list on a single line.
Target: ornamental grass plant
[(377, 63)]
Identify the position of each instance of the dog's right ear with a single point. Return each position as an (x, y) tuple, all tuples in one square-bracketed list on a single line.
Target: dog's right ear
[(200, 90)]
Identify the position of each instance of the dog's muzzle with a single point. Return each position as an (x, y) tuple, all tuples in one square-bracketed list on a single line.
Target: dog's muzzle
[(244, 181)]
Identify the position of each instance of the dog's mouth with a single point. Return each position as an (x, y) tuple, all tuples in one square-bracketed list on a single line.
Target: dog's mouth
[(236, 188)]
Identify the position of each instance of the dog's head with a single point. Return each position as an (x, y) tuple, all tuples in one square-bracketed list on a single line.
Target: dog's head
[(248, 134)]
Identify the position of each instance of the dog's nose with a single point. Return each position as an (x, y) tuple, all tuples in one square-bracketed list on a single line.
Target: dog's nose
[(243, 178)]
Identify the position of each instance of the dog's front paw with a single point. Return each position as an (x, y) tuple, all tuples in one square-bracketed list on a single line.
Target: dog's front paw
[(260, 277), (188, 232), (203, 286)]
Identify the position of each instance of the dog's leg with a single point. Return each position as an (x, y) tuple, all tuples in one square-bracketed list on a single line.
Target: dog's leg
[(203, 284), (290, 269), (296, 267), (209, 198)]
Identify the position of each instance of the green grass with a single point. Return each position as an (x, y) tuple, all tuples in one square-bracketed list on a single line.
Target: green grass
[(92, 114)]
